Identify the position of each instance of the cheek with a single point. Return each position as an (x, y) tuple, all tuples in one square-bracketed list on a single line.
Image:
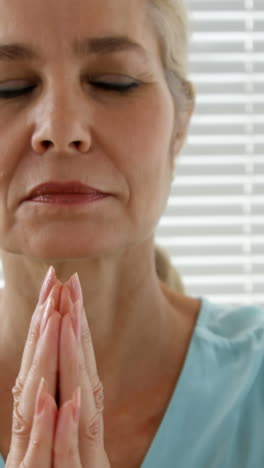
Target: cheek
[(9, 144), (12, 135), (138, 141), (13, 144), (143, 140)]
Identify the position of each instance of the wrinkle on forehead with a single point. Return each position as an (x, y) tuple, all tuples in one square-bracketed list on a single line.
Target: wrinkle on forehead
[(49, 22)]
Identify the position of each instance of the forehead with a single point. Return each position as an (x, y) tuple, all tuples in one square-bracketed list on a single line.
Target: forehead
[(57, 27)]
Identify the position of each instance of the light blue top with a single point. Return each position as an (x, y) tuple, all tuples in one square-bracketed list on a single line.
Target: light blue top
[(215, 417)]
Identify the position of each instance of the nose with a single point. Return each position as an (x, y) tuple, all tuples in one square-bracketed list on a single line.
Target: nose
[(61, 123)]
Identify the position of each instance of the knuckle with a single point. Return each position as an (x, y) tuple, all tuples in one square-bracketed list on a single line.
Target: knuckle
[(99, 396), (17, 389), (36, 443), (20, 426), (93, 432)]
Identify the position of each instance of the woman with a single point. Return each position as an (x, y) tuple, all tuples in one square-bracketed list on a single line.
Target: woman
[(85, 104)]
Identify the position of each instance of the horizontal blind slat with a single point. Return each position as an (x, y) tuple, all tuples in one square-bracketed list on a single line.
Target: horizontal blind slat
[(213, 224)]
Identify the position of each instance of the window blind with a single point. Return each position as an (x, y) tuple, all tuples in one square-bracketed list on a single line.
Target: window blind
[(213, 226)]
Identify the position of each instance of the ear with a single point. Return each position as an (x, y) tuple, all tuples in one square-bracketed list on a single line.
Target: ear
[(179, 141), (181, 132)]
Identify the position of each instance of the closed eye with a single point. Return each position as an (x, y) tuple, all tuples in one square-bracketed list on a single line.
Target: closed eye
[(119, 87), (13, 93), (106, 86)]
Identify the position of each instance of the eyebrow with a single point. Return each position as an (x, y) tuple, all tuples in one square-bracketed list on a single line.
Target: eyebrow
[(80, 48)]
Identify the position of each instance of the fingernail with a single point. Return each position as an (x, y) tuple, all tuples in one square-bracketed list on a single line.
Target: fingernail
[(46, 315), (41, 396), (77, 318), (76, 398), (46, 286), (76, 288)]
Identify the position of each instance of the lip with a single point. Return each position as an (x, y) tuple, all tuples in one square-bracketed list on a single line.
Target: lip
[(70, 187)]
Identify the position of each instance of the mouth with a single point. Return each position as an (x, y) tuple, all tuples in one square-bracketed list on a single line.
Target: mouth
[(69, 190), (68, 198)]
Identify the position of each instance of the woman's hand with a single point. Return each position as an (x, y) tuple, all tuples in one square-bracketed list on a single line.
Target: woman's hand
[(83, 447), (53, 438)]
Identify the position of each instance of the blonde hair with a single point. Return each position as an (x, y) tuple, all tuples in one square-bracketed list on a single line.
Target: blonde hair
[(170, 21), (166, 271)]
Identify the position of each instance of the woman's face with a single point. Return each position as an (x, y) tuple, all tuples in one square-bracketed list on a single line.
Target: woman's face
[(62, 126)]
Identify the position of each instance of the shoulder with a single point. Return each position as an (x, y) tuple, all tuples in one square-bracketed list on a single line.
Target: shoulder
[(233, 322), (230, 338)]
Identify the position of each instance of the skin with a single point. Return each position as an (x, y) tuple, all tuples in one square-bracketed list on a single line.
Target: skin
[(127, 144), (45, 434)]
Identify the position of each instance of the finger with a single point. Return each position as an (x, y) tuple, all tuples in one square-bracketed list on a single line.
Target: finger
[(86, 337), (89, 359), (72, 372), (47, 284), (66, 444), (91, 431), (40, 449), (33, 334), (69, 363), (44, 364), (66, 300)]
